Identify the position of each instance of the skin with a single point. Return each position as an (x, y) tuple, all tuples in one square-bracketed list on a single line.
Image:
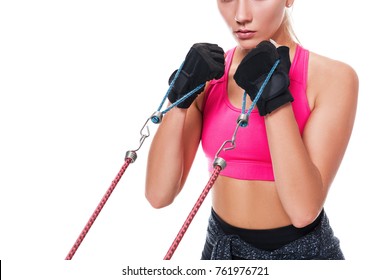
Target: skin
[(304, 166)]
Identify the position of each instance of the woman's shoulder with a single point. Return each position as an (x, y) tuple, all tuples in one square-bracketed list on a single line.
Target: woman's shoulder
[(329, 66), (330, 78)]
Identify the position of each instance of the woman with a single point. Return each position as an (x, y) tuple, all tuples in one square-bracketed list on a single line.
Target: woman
[(268, 201)]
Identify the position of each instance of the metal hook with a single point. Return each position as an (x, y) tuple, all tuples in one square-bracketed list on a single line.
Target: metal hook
[(239, 124), (147, 128), (145, 133), (232, 141), (233, 145)]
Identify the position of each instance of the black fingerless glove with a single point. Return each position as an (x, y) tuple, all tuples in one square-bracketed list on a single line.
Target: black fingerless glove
[(203, 63), (253, 70)]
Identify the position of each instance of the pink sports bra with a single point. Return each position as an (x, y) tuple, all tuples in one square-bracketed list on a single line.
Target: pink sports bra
[(251, 159)]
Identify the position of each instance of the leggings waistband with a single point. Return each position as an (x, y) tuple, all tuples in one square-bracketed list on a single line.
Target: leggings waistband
[(267, 239)]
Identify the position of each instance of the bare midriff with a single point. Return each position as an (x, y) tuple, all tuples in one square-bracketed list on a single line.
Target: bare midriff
[(248, 204)]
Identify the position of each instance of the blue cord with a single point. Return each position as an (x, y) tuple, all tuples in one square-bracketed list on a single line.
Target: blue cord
[(260, 92), (170, 87), (157, 117), (177, 102)]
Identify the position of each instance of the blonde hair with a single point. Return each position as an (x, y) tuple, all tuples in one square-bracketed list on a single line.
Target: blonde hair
[(287, 22)]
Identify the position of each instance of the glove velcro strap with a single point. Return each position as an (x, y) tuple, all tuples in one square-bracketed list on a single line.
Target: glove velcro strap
[(273, 104), (276, 93), (277, 84)]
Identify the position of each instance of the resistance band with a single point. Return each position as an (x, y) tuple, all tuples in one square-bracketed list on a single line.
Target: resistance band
[(219, 163), (131, 156)]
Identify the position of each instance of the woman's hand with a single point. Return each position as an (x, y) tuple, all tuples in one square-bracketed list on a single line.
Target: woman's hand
[(253, 70), (203, 63)]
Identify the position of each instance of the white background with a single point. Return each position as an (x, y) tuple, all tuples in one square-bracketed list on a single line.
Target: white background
[(78, 79)]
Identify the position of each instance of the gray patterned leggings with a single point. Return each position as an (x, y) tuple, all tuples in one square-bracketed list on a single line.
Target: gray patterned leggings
[(319, 244)]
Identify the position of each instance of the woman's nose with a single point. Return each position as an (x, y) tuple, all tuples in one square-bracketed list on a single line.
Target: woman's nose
[(243, 12)]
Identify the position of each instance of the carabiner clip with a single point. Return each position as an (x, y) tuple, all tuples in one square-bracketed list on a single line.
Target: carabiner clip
[(220, 161), (145, 133)]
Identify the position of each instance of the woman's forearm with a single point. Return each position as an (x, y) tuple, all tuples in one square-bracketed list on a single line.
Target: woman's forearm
[(297, 179), (165, 160)]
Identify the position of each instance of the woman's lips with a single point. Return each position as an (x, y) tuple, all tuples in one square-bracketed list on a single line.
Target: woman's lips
[(244, 34)]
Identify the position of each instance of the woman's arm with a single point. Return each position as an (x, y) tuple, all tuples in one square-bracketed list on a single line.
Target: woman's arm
[(171, 154), (304, 167), (177, 139)]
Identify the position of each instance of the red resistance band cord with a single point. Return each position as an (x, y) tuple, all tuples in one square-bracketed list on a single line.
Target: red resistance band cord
[(98, 209), (131, 156), (202, 197)]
